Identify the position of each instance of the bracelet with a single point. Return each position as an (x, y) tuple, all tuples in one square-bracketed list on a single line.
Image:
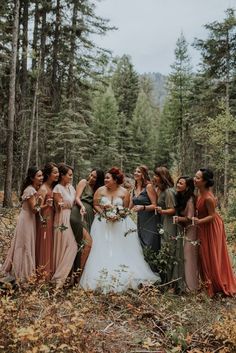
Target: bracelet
[(144, 207)]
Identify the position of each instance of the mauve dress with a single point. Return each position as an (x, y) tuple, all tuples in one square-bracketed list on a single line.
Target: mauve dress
[(187, 252), (44, 238), (215, 267), (20, 261), (65, 246)]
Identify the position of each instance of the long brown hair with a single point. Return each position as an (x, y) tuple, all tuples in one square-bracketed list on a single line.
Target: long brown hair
[(145, 175), (166, 178)]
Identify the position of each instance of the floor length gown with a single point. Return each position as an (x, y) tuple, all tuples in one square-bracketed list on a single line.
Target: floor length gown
[(215, 267), (147, 223), (44, 238), (65, 246), (166, 200), (187, 252), (116, 260), (20, 261), (77, 223)]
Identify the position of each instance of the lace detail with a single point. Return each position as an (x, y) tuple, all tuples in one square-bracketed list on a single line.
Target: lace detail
[(116, 201)]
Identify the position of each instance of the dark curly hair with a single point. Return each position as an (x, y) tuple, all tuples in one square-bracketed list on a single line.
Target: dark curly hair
[(207, 175), (183, 197), (117, 175)]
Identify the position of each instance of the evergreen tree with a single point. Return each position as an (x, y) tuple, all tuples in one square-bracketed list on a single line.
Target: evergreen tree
[(105, 130)]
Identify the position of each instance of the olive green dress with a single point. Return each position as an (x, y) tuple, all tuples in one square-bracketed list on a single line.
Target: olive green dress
[(166, 200), (77, 224)]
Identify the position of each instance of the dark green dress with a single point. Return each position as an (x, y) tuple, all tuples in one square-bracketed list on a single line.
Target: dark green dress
[(76, 222)]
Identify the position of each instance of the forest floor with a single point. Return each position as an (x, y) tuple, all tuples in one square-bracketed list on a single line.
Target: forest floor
[(36, 318)]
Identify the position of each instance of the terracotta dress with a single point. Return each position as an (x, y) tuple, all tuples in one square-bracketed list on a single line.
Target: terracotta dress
[(215, 267), (65, 246), (20, 261), (77, 223), (187, 252), (44, 238)]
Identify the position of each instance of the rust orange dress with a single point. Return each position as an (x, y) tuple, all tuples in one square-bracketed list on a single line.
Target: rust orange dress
[(44, 238), (215, 266)]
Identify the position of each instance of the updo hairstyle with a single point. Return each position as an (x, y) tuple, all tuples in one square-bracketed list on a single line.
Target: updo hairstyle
[(207, 175), (117, 175)]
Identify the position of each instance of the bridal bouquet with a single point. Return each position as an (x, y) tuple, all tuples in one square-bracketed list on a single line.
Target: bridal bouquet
[(114, 213)]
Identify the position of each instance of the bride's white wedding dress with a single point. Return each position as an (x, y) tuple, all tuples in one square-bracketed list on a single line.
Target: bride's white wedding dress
[(116, 261)]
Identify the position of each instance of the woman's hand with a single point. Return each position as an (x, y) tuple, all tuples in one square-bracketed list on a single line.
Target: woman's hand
[(83, 211), (158, 209), (138, 208), (195, 220)]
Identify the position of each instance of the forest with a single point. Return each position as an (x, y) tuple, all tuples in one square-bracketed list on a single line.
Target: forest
[(65, 99)]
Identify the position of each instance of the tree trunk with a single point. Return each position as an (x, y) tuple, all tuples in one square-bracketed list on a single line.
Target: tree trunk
[(35, 35), (7, 202), (33, 119), (55, 92)]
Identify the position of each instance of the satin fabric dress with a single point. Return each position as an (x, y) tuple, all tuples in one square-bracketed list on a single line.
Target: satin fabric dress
[(215, 266), (20, 261), (77, 223), (44, 238), (65, 246)]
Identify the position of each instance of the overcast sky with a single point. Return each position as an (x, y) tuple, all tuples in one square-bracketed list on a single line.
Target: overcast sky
[(148, 29)]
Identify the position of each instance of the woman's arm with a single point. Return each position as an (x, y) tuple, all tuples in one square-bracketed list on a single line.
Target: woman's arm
[(96, 201), (79, 190), (169, 204), (126, 199), (34, 203), (58, 199)]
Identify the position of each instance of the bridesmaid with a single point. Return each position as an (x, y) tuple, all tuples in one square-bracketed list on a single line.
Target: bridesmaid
[(144, 202), (166, 209), (65, 246), (215, 267), (82, 215), (20, 261), (44, 222), (187, 245)]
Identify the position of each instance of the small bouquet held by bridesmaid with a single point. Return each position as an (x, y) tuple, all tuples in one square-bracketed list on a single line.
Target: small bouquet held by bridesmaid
[(114, 213)]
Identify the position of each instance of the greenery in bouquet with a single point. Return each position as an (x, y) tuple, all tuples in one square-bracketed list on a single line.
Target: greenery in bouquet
[(114, 213)]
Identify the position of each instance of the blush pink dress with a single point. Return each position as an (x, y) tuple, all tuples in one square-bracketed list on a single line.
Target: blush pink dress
[(20, 261), (65, 246)]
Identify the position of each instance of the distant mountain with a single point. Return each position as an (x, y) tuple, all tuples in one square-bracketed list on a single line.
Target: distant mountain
[(159, 87)]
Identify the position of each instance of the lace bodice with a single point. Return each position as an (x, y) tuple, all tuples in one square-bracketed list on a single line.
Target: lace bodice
[(116, 201)]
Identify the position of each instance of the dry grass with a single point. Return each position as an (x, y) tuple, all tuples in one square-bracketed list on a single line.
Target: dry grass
[(38, 319)]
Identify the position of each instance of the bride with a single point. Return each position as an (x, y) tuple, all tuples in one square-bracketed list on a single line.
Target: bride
[(116, 260)]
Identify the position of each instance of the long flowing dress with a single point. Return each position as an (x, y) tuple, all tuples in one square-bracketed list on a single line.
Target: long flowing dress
[(44, 238), (215, 267), (166, 200), (65, 246), (77, 223), (20, 261), (147, 222), (116, 260), (187, 252)]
